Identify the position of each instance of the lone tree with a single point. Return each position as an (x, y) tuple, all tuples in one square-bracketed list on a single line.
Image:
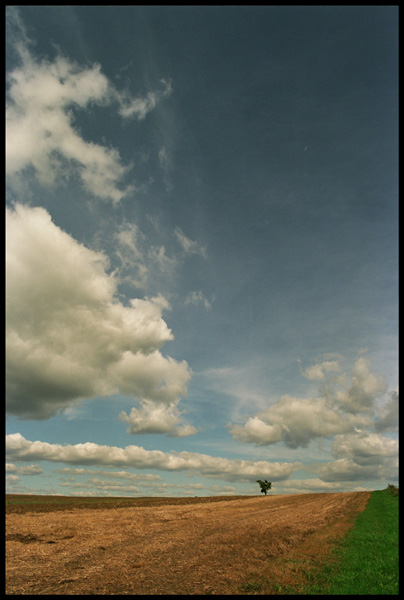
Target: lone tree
[(264, 485)]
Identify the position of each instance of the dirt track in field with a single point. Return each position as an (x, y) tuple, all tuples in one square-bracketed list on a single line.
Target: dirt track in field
[(204, 548)]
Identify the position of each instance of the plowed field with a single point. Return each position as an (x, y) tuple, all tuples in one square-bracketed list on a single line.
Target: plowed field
[(216, 547)]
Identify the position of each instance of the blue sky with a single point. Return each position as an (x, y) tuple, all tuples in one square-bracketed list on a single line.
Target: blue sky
[(202, 249)]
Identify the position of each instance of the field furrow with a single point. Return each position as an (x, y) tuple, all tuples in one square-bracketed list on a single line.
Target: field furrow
[(200, 548)]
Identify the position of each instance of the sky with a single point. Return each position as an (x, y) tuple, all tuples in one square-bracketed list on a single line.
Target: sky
[(201, 249)]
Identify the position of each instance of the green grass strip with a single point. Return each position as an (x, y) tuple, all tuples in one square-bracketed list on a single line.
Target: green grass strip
[(367, 558)]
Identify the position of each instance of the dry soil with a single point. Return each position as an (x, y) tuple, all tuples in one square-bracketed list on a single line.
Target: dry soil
[(200, 548)]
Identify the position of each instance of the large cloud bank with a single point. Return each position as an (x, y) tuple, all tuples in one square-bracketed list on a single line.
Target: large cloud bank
[(342, 406), (352, 410), (20, 449), (68, 336)]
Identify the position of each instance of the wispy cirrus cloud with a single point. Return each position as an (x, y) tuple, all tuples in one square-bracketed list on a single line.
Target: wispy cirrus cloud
[(198, 298), (188, 245), (139, 107), (144, 260)]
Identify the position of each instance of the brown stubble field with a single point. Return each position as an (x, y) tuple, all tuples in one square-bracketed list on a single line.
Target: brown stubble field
[(178, 547)]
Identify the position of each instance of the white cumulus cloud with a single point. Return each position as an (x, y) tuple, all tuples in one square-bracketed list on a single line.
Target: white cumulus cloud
[(365, 388), (295, 421), (20, 449), (68, 336), (346, 469), (387, 419), (364, 447), (41, 132), (340, 408), (319, 371), (157, 418)]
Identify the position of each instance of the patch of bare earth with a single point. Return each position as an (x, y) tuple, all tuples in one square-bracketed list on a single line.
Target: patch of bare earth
[(204, 548)]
